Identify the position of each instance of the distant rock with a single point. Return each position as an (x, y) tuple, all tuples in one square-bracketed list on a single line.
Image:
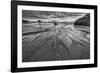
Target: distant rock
[(25, 21), (84, 21)]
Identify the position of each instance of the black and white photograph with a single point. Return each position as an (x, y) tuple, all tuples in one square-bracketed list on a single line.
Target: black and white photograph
[(49, 36), (54, 36)]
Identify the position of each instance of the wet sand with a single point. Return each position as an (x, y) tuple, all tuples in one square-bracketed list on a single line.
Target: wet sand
[(59, 43)]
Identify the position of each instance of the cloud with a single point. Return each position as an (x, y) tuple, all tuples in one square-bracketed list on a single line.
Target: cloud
[(50, 15)]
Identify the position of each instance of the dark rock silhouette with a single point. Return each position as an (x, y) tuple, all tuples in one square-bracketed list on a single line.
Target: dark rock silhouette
[(55, 23), (25, 21), (84, 21)]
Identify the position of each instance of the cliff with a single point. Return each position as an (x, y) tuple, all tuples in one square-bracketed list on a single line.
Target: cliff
[(84, 21)]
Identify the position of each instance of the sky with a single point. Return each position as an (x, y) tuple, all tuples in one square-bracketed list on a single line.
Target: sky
[(49, 16)]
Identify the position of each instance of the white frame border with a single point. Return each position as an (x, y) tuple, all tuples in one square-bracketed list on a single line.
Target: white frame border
[(53, 63)]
